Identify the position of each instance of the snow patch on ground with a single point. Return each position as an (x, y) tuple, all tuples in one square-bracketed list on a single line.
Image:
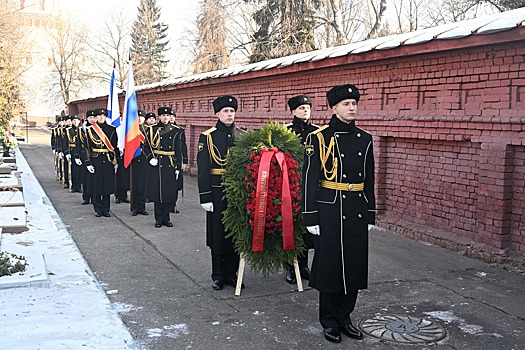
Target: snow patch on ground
[(123, 308), (449, 317), (172, 331)]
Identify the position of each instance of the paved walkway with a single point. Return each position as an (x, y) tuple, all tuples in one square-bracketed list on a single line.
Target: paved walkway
[(157, 281)]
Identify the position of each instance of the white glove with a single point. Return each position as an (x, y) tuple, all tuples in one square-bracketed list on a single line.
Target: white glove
[(207, 206), (370, 227), (68, 157), (154, 161), (78, 161), (314, 230), (61, 155), (121, 152), (54, 152), (91, 169), (177, 174), (115, 167)]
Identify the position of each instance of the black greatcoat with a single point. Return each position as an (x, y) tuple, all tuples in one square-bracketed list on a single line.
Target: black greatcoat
[(72, 136), (340, 263), (211, 189), (183, 159), (104, 177), (302, 129), (161, 179), (87, 177)]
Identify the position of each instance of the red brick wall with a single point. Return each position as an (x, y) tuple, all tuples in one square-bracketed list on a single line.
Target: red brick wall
[(448, 123)]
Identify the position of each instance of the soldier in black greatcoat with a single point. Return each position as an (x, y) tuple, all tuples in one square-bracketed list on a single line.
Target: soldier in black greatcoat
[(87, 177), (300, 107), (338, 205), (183, 160), (55, 134), (139, 168), (66, 157), (103, 153), (58, 142), (72, 154), (213, 148), (162, 149)]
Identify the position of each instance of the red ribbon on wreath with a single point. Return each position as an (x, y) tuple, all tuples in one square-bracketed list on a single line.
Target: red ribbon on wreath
[(262, 197)]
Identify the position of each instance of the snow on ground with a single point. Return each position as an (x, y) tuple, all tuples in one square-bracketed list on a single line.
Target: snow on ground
[(71, 310)]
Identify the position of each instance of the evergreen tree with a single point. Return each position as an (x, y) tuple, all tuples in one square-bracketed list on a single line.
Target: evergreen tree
[(284, 27), (149, 44), (211, 51)]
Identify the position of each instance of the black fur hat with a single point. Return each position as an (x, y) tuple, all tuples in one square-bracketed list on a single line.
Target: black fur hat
[(299, 100), (342, 92), (224, 101), (164, 110), (100, 111)]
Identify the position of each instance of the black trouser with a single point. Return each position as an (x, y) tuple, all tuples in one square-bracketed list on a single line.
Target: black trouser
[(224, 266), (139, 201), (66, 173), (76, 177), (121, 193), (60, 167), (162, 211), (101, 203), (175, 203), (86, 195), (335, 308)]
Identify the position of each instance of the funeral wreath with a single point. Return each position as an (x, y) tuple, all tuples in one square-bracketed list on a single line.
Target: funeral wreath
[(263, 188)]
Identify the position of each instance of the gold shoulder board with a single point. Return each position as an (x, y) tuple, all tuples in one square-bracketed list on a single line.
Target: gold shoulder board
[(209, 131), (320, 129)]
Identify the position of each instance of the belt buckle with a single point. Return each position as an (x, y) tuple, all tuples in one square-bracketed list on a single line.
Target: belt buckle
[(350, 187)]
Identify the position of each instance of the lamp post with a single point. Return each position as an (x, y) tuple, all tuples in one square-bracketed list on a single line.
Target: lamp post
[(27, 126)]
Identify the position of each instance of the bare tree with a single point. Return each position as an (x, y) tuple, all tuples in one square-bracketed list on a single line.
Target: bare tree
[(411, 15), (446, 11), (341, 22), (211, 50), (377, 13), (110, 48), (66, 41)]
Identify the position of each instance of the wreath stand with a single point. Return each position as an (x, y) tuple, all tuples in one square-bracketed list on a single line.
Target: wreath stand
[(241, 275)]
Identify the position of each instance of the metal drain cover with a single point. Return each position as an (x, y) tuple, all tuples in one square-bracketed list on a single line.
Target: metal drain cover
[(403, 329)]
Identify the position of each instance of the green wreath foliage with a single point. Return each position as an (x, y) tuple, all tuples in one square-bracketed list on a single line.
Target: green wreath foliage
[(236, 218)]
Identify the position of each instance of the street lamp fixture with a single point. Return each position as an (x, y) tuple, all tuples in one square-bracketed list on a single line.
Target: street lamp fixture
[(27, 125)]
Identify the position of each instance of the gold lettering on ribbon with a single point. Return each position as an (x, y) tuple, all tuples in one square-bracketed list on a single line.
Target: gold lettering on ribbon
[(258, 239)]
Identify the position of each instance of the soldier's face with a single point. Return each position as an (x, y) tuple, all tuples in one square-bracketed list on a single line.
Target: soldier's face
[(68, 122), (346, 110), (226, 115), (101, 118), (91, 119), (302, 112), (164, 118), (76, 122), (141, 120), (150, 121)]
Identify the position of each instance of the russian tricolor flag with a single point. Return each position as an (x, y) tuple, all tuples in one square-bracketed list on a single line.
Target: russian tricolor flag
[(114, 109), (130, 121)]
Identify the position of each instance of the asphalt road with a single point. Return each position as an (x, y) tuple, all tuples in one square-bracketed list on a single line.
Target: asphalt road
[(160, 280)]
